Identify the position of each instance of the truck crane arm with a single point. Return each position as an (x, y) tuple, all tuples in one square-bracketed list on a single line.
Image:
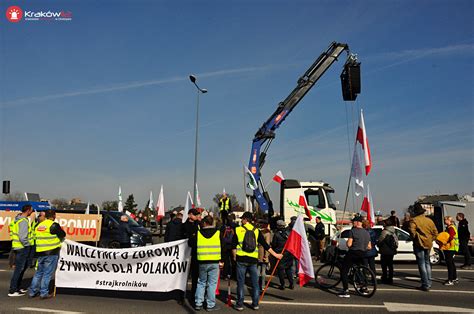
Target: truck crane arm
[(266, 133)]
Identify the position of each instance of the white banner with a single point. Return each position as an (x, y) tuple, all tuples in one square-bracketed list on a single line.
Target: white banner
[(160, 267)]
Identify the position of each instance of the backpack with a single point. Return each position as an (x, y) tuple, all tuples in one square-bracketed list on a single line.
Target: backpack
[(228, 235), (391, 242), (250, 242)]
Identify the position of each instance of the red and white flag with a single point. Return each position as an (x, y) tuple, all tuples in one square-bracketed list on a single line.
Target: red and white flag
[(297, 245), (160, 206), (362, 139), (368, 207), (303, 203), (278, 177), (189, 204), (198, 198), (130, 214)]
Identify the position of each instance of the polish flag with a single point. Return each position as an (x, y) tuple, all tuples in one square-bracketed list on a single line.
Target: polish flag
[(368, 207), (120, 204), (303, 203), (160, 206), (130, 214), (278, 177), (189, 204), (362, 139), (297, 245), (198, 198)]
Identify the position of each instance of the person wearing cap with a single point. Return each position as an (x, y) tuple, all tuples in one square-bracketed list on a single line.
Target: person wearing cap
[(247, 261), (191, 227), (423, 232), (286, 264), (358, 243)]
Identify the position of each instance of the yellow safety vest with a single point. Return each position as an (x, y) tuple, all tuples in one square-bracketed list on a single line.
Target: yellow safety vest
[(45, 241), (240, 232), (225, 204), (15, 236), (455, 247), (209, 249)]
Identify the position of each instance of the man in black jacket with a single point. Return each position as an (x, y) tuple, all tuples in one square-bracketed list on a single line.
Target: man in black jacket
[(175, 229), (191, 227), (464, 235), (124, 232), (286, 264), (319, 235)]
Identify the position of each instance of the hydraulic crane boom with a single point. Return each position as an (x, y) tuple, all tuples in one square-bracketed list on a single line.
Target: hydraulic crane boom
[(266, 133)]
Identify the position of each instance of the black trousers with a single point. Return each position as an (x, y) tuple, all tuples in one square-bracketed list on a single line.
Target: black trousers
[(288, 270), (351, 258), (464, 249), (449, 257), (386, 262), (224, 214)]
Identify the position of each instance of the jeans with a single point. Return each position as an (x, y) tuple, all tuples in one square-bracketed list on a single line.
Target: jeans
[(449, 258), (207, 283), (21, 264), (242, 269), (46, 267), (424, 266)]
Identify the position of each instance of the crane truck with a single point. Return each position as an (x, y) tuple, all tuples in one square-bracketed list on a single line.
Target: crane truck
[(318, 192)]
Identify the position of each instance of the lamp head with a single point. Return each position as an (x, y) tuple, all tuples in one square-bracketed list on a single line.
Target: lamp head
[(203, 90), (192, 78)]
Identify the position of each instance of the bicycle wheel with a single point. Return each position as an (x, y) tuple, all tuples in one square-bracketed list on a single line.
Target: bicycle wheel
[(364, 281), (328, 276)]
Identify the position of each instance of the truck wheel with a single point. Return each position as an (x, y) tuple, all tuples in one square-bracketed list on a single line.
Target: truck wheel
[(435, 258)]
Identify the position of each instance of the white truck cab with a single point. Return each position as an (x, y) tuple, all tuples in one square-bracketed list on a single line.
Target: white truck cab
[(319, 197)]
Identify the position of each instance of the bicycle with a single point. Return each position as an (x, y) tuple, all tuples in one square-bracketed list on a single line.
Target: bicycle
[(362, 278)]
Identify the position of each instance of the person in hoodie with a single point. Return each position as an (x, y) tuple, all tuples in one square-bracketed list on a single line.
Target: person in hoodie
[(208, 246), (387, 250)]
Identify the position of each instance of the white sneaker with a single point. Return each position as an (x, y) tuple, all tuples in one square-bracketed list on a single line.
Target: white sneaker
[(449, 283), (23, 290), (16, 294)]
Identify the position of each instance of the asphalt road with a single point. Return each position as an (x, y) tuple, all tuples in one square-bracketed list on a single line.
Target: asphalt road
[(399, 297)]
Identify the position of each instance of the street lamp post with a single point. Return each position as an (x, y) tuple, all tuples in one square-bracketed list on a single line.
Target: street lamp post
[(193, 79)]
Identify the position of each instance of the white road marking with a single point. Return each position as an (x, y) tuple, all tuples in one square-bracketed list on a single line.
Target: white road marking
[(324, 304), (407, 307), (35, 309), (431, 290)]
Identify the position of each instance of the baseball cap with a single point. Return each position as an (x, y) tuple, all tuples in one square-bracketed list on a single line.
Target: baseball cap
[(247, 215), (357, 217)]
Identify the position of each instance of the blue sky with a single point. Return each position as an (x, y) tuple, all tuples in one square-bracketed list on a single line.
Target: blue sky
[(104, 100)]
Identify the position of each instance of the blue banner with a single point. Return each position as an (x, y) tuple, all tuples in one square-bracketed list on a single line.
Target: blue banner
[(14, 205)]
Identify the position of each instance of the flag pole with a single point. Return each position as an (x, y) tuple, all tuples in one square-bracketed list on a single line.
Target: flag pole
[(348, 188), (271, 276)]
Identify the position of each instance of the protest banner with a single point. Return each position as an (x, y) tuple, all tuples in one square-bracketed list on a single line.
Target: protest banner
[(78, 227), (159, 268)]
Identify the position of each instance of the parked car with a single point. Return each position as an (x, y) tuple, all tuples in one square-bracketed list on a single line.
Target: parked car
[(109, 232), (405, 245)]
